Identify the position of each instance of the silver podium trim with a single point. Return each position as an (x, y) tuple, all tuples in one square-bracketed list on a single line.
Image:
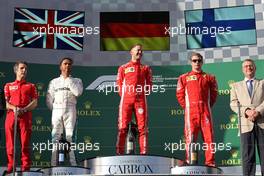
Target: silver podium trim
[(196, 170), (63, 170), (130, 164), (26, 173)]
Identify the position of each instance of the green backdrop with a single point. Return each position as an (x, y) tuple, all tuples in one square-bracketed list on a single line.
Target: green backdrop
[(98, 112)]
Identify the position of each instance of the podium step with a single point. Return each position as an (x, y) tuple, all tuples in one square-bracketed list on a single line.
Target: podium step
[(131, 164), (196, 170)]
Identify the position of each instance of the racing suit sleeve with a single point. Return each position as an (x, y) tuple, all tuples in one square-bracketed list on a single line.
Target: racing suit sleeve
[(50, 95), (148, 80), (76, 86), (32, 105), (180, 92), (213, 91), (9, 106), (119, 80), (7, 93), (34, 99), (7, 98)]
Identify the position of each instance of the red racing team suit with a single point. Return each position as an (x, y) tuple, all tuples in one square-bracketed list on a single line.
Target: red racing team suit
[(19, 94), (196, 93), (134, 82)]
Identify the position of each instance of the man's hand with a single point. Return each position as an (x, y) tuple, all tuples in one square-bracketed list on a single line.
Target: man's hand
[(16, 111), (249, 112), (252, 114), (19, 111)]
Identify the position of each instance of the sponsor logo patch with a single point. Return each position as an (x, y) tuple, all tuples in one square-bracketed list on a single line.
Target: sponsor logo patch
[(129, 69), (140, 110), (13, 87), (191, 78)]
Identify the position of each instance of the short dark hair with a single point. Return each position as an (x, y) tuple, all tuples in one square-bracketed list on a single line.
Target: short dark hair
[(66, 58), (138, 44), (196, 54), (17, 63)]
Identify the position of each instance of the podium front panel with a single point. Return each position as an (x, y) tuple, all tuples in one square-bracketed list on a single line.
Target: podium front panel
[(130, 164), (65, 171), (195, 170), (26, 173)]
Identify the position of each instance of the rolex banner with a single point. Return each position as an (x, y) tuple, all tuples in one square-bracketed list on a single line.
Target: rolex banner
[(97, 112)]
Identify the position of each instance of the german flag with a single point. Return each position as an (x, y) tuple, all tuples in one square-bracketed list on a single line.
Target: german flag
[(119, 31)]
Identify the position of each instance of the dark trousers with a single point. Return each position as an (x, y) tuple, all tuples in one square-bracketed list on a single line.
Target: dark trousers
[(249, 142)]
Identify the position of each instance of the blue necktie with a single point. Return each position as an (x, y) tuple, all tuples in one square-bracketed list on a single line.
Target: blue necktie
[(250, 87)]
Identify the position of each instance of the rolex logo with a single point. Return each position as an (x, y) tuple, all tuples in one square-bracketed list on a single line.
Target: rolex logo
[(87, 139), (39, 120), (233, 118), (230, 82), (234, 153), (40, 86), (37, 155), (2, 74), (87, 105)]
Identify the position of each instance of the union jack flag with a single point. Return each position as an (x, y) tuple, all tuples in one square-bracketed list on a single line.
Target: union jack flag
[(52, 29)]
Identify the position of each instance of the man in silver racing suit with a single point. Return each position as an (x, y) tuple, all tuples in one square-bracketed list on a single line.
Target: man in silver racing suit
[(61, 99)]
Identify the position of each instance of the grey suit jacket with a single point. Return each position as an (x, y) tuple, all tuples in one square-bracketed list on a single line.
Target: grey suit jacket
[(239, 92)]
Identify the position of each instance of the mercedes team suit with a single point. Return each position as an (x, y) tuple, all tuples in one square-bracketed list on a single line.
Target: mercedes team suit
[(61, 99), (134, 81), (196, 93), (19, 94)]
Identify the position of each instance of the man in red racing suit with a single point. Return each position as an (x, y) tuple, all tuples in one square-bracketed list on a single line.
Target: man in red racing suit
[(196, 93), (134, 82), (21, 99)]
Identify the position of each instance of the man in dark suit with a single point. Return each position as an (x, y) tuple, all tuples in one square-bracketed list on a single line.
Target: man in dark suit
[(249, 93)]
